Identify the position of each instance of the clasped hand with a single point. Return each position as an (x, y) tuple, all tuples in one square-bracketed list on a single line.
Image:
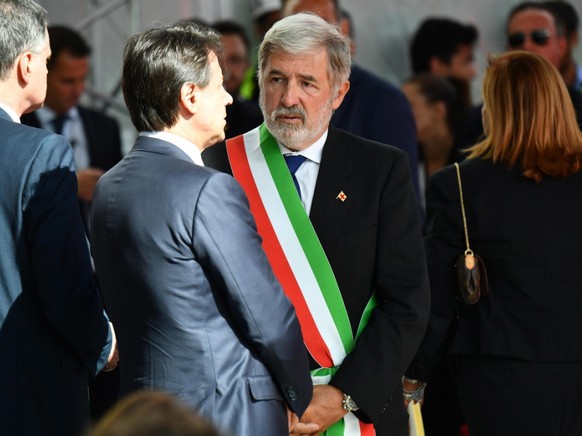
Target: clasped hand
[(324, 410)]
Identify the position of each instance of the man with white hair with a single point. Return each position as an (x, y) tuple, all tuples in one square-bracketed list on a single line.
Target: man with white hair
[(339, 222)]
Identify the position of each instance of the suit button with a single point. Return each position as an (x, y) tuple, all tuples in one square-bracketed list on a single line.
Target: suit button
[(291, 394)]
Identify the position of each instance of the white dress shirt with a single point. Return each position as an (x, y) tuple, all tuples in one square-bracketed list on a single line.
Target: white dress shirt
[(73, 130), (11, 112), (183, 144)]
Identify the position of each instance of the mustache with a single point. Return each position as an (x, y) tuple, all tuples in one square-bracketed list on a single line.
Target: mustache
[(289, 111)]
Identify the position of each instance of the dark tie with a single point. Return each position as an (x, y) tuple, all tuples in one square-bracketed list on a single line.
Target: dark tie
[(58, 122), (294, 162)]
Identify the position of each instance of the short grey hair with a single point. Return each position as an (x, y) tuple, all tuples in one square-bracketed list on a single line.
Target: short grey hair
[(305, 32), (23, 25)]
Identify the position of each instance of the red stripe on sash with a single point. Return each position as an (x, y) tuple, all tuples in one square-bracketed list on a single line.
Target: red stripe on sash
[(281, 268)]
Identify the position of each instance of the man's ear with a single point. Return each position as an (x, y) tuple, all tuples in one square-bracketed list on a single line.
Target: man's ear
[(189, 96), (24, 67), (341, 93)]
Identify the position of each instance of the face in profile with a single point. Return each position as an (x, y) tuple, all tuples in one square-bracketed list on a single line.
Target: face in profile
[(297, 98), (425, 114), (211, 102), (38, 85), (236, 60), (66, 81), (462, 64)]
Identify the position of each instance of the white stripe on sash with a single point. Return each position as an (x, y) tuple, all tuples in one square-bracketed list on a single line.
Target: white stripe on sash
[(292, 247)]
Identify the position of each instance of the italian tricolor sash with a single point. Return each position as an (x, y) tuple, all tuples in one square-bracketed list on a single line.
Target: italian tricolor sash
[(297, 258)]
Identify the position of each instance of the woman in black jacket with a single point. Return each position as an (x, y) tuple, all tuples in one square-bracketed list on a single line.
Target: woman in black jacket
[(517, 352)]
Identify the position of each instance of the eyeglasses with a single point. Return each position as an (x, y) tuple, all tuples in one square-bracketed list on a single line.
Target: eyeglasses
[(539, 37)]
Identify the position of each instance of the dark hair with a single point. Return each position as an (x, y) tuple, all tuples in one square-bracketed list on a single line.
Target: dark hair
[(157, 62), (440, 38), (567, 15), (561, 28), (228, 27), (436, 88), (65, 39)]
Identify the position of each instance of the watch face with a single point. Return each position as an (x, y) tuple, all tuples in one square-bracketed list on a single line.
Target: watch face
[(349, 404)]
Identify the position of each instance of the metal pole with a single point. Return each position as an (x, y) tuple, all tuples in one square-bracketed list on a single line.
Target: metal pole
[(100, 13)]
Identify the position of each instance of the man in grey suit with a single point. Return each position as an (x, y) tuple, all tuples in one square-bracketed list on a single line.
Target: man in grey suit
[(53, 331), (199, 311)]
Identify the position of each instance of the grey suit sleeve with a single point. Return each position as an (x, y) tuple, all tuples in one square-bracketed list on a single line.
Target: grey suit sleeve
[(230, 248), (60, 257)]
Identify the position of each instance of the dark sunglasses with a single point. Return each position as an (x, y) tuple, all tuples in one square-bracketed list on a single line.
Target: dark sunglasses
[(539, 37)]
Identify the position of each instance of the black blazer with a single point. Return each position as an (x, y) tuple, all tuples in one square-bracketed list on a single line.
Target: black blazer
[(373, 243), (53, 331), (529, 237), (103, 141), (102, 132)]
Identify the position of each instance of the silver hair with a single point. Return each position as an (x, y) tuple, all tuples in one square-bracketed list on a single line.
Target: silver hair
[(23, 26), (305, 32)]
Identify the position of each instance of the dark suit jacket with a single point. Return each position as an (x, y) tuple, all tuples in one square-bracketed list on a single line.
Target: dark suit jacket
[(102, 134), (373, 243), (529, 237), (375, 109), (53, 333), (103, 141), (242, 116), (195, 305)]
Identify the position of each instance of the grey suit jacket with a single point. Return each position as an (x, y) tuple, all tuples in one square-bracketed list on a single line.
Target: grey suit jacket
[(53, 332), (196, 307)]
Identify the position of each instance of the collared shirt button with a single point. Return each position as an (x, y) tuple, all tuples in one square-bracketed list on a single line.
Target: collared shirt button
[(291, 394)]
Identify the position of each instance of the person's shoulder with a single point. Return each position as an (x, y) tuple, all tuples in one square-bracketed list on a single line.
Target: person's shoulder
[(363, 77), (96, 116), (362, 146), (34, 135)]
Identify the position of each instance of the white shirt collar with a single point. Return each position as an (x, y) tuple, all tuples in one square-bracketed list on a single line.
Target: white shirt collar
[(182, 143), (312, 152), (11, 112), (46, 115)]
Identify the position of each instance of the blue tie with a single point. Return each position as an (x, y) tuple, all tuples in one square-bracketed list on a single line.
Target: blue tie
[(58, 122), (294, 162)]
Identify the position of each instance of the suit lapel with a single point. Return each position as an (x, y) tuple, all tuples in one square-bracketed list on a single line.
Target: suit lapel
[(328, 211)]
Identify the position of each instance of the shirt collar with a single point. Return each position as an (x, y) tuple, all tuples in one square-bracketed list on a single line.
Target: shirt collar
[(46, 115), (312, 152), (11, 112), (183, 144)]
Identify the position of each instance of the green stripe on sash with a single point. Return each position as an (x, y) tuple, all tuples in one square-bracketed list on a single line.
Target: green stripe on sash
[(307, 238)]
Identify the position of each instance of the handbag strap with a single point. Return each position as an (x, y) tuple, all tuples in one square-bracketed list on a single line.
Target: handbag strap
[(468, 250)]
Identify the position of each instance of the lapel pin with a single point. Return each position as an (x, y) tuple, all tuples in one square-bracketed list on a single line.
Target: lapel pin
[(341, 196)]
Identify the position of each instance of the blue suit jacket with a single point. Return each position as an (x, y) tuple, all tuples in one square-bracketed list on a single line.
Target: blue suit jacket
[(197, 310), (53, 332)]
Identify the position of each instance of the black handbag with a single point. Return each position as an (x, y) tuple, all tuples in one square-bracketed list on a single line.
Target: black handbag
[(471, 272)]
